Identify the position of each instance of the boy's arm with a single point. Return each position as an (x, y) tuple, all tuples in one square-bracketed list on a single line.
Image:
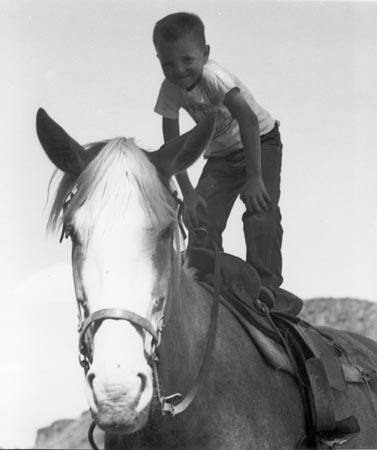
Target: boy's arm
[(254, 193), (170, 130)]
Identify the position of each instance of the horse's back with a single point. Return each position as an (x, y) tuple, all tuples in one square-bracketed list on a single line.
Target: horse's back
[(361, 349)]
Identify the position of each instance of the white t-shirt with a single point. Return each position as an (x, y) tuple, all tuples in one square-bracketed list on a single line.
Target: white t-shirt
[(208, 95)]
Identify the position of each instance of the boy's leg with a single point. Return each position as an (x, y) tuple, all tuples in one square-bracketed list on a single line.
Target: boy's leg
[(263, 231), (219, 185)]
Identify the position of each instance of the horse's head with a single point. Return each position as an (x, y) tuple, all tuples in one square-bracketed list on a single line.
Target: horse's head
[(115, 204)]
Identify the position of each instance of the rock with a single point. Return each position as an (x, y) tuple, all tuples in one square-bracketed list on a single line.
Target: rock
[(359, 316), (68, 434)]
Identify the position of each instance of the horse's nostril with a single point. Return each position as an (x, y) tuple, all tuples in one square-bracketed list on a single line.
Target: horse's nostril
[(90, 378), (143, 380)]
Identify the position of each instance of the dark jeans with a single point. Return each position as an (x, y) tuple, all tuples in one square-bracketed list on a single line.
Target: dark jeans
[(220, 184)]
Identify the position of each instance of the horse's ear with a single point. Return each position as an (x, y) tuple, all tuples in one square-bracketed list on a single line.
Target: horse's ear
[(180, 153), (67, 154)]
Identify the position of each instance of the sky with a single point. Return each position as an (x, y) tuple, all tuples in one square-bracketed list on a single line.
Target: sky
[(92, 66)]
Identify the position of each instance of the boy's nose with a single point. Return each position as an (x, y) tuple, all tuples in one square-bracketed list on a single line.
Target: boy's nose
[(179, 69)]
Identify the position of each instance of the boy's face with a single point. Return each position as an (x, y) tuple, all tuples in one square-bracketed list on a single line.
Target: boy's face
[(182, 61)]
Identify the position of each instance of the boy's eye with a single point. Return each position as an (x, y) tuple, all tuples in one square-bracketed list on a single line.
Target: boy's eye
[(188, 60)]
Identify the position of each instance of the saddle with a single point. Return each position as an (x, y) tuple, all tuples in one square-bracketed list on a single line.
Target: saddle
[(239, 277), (321, 359)]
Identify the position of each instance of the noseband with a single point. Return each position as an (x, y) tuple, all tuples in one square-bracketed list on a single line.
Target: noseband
[(114, 314)]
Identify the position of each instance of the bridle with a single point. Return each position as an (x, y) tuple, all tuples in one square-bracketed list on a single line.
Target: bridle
[(92, 321)]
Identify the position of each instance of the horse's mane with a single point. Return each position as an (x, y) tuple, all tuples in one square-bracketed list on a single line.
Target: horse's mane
[(119, 170)]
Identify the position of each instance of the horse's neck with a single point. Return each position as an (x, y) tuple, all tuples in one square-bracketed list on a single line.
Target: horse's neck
[(236, 385), (184, 336)]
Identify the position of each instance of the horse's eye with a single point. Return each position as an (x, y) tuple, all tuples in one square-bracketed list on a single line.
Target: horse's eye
[(67, 231), (168, 231)]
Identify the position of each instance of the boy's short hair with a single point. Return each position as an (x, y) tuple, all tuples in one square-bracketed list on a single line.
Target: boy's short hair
[(177, 25)]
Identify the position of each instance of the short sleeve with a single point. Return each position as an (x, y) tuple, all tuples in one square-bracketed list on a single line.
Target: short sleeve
[(168, 103), (218, 83)]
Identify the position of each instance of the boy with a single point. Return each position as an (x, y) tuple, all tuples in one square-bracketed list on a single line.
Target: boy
[(244, 156)]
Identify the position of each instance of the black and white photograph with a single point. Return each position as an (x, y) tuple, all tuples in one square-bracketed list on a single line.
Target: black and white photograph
[(188, 250)]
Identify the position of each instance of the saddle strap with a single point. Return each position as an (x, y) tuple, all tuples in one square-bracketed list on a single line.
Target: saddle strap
[(328, 431), (324, 429), (322, 399)]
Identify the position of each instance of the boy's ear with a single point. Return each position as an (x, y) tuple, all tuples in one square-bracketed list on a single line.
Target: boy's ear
[(206, 52), (181, 152)]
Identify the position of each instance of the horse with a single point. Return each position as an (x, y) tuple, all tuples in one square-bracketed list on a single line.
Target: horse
[(146, 322)]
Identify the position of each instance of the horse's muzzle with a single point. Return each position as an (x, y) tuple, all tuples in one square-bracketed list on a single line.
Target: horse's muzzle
[(120, 402)]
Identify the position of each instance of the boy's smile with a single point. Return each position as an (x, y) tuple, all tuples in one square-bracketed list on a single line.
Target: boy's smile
[(182, 61)]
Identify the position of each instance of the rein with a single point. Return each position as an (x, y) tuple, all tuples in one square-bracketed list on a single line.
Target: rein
[(167, 403)]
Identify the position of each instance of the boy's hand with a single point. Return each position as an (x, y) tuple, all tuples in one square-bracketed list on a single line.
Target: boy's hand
[(192, 202), (255, 196)]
